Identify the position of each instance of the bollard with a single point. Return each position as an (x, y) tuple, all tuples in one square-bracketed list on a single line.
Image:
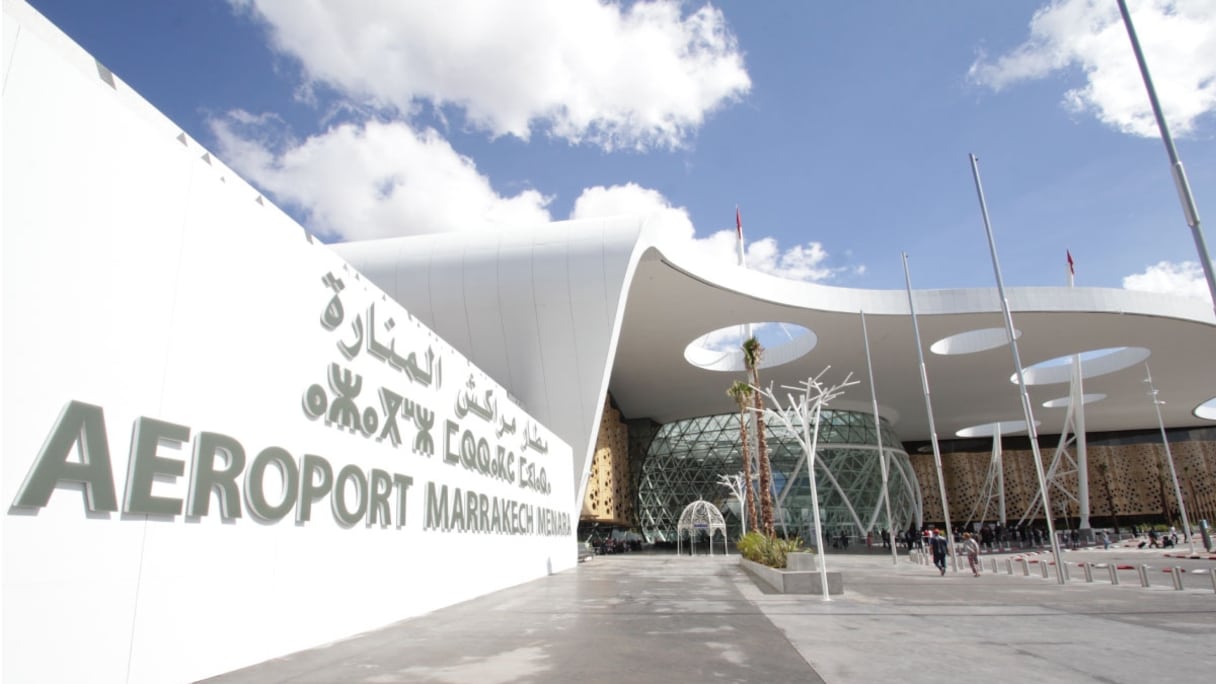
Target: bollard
[(1043, 567), (1025, 567), (1008, 566), (1143, 575), (1089, 572), (1114, 574), (994, 565), (1177, 573), (1212, 574), (1064, 567)]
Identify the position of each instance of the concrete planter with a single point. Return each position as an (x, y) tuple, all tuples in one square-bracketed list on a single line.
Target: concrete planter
[(802, 561), (794, 581)]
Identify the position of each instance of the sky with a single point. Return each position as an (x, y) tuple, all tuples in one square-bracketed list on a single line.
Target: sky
[(840, 131)]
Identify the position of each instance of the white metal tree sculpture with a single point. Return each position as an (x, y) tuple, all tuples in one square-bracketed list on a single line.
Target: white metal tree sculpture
[(806, 409), (735, 483)]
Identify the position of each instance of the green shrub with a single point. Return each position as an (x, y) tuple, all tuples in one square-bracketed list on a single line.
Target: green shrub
[(770, 551)]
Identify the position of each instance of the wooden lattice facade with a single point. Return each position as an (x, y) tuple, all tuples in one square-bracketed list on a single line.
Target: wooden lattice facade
[(609, 497), (1129, 481)]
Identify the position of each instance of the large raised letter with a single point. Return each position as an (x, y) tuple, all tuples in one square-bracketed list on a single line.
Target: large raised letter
[(379, 486), (255, 495), (401, 483), (345, 516), (437, 508), (310, 490), (205, 479), (78, 424), (145, 465)]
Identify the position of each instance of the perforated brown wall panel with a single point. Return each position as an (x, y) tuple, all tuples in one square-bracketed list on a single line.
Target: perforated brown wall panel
[(1128, 481)]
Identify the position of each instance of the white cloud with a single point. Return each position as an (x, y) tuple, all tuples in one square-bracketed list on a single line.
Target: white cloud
[(1179, 42), (770, 334), (801, 262), (1185, 279), (722, 339), (384, 179), (633, 76), (632, 198), (371, 180)]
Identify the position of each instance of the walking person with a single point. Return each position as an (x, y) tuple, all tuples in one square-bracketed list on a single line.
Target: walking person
[(972, 549), (939, 546)]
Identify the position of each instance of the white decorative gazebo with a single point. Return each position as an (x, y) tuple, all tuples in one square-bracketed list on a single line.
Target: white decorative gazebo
[(697, 516)]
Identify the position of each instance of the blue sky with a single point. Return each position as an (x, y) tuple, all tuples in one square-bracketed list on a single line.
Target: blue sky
[(841, 130)]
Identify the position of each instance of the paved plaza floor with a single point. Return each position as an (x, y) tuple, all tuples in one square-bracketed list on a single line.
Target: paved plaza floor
[(671, 619)]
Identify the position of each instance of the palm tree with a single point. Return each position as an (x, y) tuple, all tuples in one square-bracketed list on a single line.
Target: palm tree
[(752, 353), (741, 392)]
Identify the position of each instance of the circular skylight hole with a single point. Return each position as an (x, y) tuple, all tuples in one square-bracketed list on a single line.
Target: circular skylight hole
[(1007, 427), (973, 341), (722, 349), (1094, 363), (1206, 410), (1063, 402)]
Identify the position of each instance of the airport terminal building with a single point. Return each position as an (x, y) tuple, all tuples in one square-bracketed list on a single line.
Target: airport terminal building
[(617, 316), (225, 441)]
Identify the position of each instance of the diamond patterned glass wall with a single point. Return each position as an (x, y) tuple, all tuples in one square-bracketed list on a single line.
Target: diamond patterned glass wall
[(686, 459)]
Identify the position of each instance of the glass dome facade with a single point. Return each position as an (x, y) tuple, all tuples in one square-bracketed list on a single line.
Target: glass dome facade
[(686, 460)]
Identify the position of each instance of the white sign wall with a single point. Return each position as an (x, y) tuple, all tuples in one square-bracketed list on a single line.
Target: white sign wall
[(220, 443)]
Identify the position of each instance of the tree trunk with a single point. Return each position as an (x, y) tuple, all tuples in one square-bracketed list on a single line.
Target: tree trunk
[(766, 472), (749, 492)]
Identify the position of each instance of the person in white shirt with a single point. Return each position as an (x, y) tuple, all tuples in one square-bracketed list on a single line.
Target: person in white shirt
[(972, 549)]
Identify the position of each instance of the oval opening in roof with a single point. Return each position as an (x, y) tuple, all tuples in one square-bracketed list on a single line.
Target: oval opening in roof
[(1206, 410), (1007, 427), (1063, 402), (722, 349), (1094, 363), (973, 341)]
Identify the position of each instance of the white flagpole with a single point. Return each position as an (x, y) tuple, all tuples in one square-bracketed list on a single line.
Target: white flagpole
[(1017, 365), (739, 235), (746, 331), (1077, 397), (924, 382), (747, 327), (1189, 210), (1169, 457), (882, 456)]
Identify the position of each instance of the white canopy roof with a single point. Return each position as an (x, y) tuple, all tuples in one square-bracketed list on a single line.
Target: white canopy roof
[(561, 313)]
